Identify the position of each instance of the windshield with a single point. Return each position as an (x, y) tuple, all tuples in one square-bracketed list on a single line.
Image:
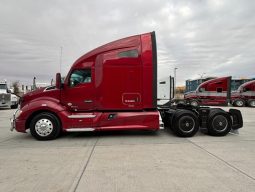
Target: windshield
[(3, 86)]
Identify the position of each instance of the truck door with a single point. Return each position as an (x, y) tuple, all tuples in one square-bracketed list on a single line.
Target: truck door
[(78, 92)]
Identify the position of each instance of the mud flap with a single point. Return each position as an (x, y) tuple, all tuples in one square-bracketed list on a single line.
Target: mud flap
[(237, 119)]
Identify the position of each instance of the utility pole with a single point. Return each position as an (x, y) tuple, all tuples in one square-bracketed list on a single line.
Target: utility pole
[(34, 83), (201, 76), (60, 59)]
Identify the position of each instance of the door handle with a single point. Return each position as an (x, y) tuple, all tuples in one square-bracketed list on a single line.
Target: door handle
[(88, 101)]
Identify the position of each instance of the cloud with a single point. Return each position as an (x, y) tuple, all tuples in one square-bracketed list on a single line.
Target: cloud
[(213, 37)]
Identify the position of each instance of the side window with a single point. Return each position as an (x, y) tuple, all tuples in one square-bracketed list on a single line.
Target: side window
[(219, 90), (131, 54), (80, 76), (201, 89), (245, 89)]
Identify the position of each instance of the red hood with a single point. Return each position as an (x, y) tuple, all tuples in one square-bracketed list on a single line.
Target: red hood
[(35, 92), (40, 94)]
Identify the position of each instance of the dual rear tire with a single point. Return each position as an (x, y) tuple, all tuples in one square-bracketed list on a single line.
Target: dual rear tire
[(241, 103), (185, 123)]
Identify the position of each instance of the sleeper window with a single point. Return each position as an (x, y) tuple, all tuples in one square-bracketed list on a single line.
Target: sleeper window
[(219, 90), (130, 53)]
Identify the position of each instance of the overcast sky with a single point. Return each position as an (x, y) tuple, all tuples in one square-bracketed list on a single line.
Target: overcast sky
[(216, 37)]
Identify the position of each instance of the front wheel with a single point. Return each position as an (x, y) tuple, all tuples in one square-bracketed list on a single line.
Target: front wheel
[(239, 103), (185, 123), (45, 126)]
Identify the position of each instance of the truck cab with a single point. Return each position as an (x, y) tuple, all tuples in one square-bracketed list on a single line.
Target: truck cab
[(110, 88), (244, 95), (7, 99), (212, 92)]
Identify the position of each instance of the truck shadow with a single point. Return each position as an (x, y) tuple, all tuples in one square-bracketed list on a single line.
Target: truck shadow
[(95, 134), (129, 133)]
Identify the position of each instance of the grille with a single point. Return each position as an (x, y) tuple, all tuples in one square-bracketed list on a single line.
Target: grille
[(5, 97)]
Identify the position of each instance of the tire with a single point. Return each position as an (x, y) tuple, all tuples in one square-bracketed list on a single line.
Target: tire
[(14, 106), (219, 123), (238, 103), (45, 126), (194, 103), (185, 123), (251, 103)]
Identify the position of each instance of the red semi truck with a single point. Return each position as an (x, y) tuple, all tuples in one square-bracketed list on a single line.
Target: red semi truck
[(245, 95), (114, 87), (212, 92), (218, 92)]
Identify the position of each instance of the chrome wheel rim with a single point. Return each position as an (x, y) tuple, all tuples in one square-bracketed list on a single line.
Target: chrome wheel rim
[(44, 127), (239, 103), (220, 123)]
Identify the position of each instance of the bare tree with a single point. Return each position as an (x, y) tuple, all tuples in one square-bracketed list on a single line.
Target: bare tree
[(15, 86)]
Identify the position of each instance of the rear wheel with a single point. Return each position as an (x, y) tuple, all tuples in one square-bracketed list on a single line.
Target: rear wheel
[(251, 103), (239, 103), (219, 123), (185, 123), (45, 126)]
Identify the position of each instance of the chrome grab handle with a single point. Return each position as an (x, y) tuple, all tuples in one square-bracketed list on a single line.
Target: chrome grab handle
[(88, 101)]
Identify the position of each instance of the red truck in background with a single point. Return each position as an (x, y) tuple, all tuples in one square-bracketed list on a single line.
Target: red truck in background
[(244, 95), (212, 92), (218, 92), (114, 87)]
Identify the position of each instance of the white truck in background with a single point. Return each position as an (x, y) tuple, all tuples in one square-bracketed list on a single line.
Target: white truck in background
[(7, 99)]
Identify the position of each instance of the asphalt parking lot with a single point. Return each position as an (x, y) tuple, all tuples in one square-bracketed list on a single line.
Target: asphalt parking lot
[(128, 161)]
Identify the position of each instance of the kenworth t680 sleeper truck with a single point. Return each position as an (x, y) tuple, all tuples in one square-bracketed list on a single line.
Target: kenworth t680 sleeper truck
[(244, 95), (114, 87)]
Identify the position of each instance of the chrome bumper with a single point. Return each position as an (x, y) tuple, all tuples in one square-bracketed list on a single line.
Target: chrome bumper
[(13, 120)]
